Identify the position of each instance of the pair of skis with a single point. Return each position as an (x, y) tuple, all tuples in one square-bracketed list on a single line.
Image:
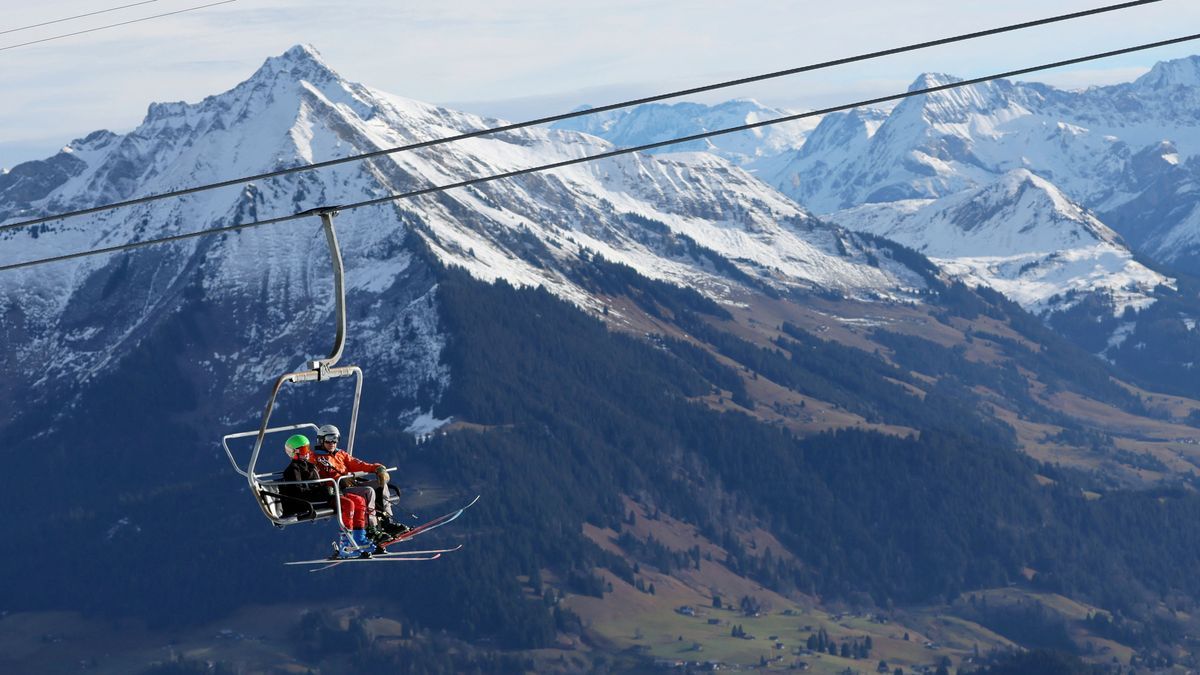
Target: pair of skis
[(396, 556)]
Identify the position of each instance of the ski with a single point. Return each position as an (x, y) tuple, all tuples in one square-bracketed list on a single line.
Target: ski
[(402, 554), (344, 552), (380, 556), (335, 563), (431, 525)]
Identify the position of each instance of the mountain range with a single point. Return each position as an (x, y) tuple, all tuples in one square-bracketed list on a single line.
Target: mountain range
[(1063, 200), (692, 219), (672, 382)]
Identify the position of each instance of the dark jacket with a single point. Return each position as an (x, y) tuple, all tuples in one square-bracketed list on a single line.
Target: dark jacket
[(317, 494)]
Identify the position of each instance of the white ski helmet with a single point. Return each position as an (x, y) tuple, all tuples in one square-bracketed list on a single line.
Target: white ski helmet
[(327, 430)]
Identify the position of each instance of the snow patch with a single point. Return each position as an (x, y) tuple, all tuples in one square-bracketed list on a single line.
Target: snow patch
[(118, 526), (425, 423)]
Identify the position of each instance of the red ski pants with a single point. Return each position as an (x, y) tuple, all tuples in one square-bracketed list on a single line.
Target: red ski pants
[(354, 512)]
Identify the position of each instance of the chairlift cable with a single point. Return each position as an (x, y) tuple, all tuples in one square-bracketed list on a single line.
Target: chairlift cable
[(72, 18), (115, 25), (580, 113), (614, 153), (150, 242)]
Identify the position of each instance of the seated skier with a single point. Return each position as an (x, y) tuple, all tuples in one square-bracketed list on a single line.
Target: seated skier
[(338, 464), (303, 468)]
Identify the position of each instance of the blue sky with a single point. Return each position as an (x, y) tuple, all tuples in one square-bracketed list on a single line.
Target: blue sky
[(530, 57)]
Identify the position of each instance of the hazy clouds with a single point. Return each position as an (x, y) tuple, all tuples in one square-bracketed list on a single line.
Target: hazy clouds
[(532, 57)]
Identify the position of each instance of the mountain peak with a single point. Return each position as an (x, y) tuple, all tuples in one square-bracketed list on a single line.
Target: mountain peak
[(929, 80), (303, 52), (1017, 178), (301, 62), (1183, 72), (1022, 183)]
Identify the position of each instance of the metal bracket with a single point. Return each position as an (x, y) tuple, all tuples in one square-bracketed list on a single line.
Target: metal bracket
[(339, 291), (320, 211)]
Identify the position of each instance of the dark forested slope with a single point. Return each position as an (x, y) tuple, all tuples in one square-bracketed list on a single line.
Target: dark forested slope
[(567, 417)]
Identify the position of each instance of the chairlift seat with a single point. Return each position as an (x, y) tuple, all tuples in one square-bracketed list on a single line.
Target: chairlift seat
[(273, 501)]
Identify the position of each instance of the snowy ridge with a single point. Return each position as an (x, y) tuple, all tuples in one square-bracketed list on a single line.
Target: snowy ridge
[(273, 282), (1019, 235), (658, 122), (1091, 144)]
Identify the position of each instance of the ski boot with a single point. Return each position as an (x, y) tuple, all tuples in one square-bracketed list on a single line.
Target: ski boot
[(393, 528), (363, 544), (380, 537), (345, 547)]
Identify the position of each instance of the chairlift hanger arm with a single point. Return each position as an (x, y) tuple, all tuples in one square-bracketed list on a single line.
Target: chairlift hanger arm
[(339, 293)]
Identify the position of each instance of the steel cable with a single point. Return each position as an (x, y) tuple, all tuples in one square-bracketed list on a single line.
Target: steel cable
[(114, 25), (581, 113), (613, 153), (72, 18)]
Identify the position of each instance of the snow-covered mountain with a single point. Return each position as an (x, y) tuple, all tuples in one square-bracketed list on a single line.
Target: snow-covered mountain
[(1019, 235), (659, 122), (270, 285), (141, 361), (1124, 151), (989, 179)]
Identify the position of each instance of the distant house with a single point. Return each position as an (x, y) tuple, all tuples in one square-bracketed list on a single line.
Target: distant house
[(686, 610)]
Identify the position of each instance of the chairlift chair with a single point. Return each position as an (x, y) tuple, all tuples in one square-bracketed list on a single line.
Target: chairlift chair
[(266, 486)]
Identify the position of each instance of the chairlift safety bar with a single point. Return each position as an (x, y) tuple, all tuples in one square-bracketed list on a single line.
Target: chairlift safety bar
[(305, 376), (243, 434)]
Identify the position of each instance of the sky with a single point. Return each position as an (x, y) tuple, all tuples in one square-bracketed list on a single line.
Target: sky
[(529, 58)]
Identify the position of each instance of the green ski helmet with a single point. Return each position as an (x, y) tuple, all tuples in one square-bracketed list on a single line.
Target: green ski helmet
[(291, 445)]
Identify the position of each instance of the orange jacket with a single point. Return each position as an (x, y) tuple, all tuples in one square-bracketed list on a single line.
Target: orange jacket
[(339, 463)]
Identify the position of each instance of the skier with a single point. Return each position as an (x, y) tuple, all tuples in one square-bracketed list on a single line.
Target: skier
[(338, 464), (304, 468)]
